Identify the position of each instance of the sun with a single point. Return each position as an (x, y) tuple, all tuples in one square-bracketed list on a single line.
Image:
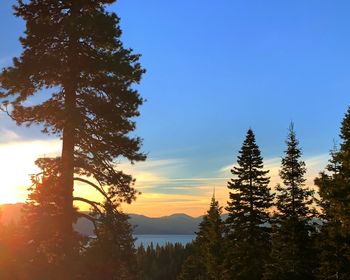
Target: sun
[(11, 196), (17, 164)]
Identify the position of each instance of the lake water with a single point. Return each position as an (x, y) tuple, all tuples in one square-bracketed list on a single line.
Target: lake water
[(161, 239)]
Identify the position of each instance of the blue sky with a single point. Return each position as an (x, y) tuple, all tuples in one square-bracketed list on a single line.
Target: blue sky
[(214, 69)]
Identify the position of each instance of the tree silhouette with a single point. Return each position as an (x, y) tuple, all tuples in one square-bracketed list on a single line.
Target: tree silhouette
[(292, 248), (248, 214), (41, 231), (112, 254), (334, 190), (206, 260), (161, 262), (76, 71)]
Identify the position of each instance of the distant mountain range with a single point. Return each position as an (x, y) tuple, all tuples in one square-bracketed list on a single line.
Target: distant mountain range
[(173, 224)]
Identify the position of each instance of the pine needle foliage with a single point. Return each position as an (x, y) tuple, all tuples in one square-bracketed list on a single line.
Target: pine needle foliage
[(248, 214), (292, 245), (76, 80), (334, 190), (206, 260)]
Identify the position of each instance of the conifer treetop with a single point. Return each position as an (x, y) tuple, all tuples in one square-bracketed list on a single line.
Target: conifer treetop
[(250, 161), (250, 191), (294, 199), (248, 214)]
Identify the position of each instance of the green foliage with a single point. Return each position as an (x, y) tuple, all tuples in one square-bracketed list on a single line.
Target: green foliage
[(248, 214), (41, 256), (42, 238), (293, 255), (72, 50), (76, 80), (334, 256), (161, 262), (112, 254), (293, 199), (292, 246), (334, 190), (206, 259)]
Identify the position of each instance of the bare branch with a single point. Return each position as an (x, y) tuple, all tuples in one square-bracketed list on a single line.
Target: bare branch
[(99, 189), (92, 203), (5, 109)]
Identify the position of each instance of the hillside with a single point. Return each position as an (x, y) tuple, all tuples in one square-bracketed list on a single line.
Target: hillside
[(173, 224)]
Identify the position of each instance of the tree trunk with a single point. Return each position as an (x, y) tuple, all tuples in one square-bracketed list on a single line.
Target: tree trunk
[(68, 144)]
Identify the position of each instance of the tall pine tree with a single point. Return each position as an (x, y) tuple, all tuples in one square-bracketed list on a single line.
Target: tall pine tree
[(291, 256), (248, 214), (334, 190), (206, 261), (74, 64)]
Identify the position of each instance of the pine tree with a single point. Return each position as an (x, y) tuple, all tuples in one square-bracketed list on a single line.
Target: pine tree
[(82, 78), (212, 229), (162, 262), (292, 249), (248, 214), (112, 254), (334, 191), (206, 261), (42, 239)]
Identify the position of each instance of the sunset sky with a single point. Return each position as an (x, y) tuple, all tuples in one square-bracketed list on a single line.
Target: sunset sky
[(214, 69)]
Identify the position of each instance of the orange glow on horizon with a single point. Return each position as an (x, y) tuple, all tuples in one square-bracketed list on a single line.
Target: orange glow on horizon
[(188, 195)]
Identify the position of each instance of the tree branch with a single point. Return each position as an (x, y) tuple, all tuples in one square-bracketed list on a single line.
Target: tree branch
[(94, 204), (4, 109), (100, 190), (91, 219)]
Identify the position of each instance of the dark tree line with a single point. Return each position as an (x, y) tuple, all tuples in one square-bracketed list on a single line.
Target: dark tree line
[(292, 234), (82, 79), (162, 262)]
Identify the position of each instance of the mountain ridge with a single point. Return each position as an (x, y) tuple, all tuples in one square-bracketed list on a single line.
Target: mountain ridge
[(177, 223)]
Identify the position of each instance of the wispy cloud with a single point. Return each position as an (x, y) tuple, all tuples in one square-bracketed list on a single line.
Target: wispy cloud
[(164, 190), (8, 136), (317, 161), (163, 194), (155, 204), (313, 163)]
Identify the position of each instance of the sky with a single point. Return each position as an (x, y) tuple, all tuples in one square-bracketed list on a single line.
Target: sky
[(214, 69)]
